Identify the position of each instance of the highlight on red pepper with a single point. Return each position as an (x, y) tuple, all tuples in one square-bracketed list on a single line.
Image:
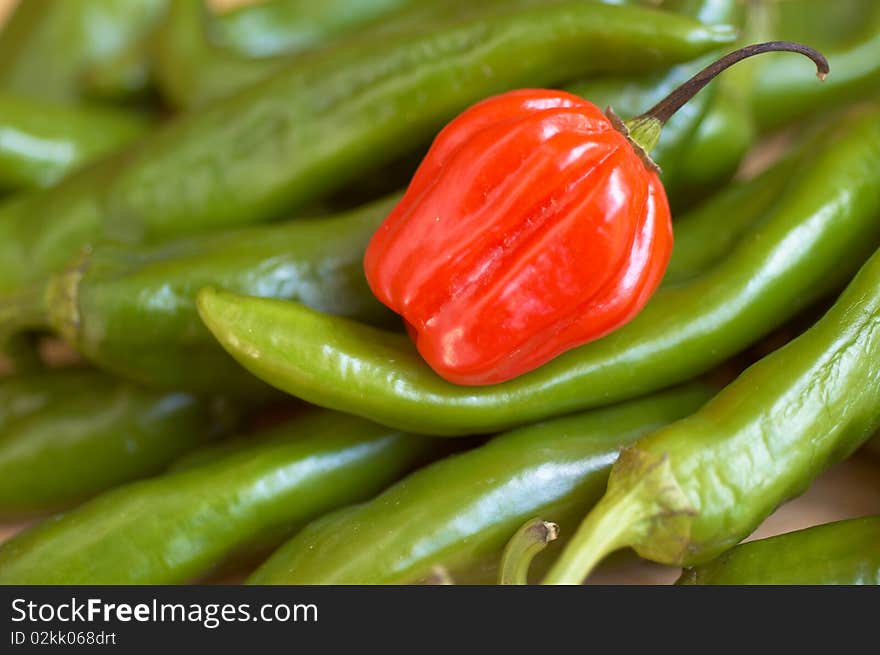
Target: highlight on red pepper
[(535, 223)]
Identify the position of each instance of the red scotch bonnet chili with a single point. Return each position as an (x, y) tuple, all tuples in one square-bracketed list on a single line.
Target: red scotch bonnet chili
[(535, 223)]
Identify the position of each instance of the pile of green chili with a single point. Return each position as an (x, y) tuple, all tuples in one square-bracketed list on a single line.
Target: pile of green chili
[(197, 381)]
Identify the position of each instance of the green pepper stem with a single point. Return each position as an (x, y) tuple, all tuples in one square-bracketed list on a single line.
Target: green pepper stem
[(529, 540), (644, 507), (607, 528), (644, 130)]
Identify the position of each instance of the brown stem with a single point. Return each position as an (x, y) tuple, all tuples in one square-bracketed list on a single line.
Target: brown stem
[(664, 109)]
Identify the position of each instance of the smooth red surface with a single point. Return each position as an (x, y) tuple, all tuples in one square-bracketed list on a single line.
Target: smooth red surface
[(530, 228)]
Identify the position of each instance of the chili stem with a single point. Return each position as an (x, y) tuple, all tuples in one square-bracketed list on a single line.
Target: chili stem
[(664, 109), (644, 130), (528, 541)]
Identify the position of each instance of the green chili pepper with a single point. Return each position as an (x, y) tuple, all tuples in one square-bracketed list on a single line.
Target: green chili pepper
[(194, 67), (459, 512), (23, 395), (720, 142), (196, 55), (812, 242), (190, 69), (311, 128), (178, 527), (705, 235), (131, 309), (314, 126), (67, 435), (41, 231), (845, 552), (41, 142), (692, 490), (47, 45), (286, 26)]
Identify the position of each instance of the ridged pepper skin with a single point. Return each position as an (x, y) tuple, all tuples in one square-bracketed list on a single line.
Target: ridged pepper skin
[(811, 243), (42, 142), (131, 309), (459, 512), (47, 46), (67, 435), (840, 553), (531, 227), (178, 527), (694, 489)]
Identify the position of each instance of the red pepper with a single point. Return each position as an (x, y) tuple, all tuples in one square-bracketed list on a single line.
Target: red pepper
[(535, 224)]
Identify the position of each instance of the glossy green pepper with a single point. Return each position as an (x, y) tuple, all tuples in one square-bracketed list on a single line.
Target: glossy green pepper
[(190, 69), (67, 435), (314, 126), (41, 142), (321, 121), (713, 153), (194, 64), (193, 67), (813, 241), (196, 55), (95, 294), (459, 512), (178, 527), (630, 96), (131, 309), (690, 491), (22, 395), (705, 235), (41, 231), (47, 45), (842, 553)]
